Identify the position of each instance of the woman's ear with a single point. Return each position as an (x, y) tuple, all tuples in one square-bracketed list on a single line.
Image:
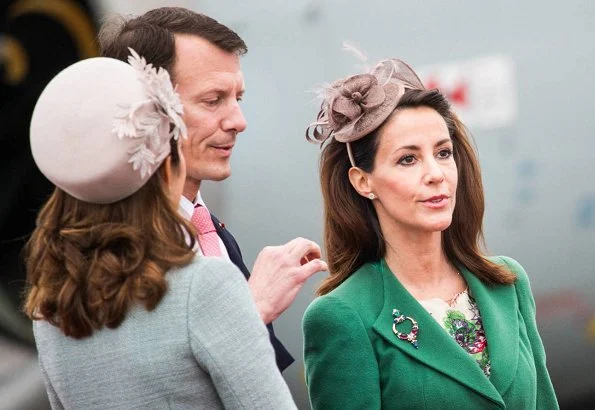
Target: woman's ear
[(360, 181), (166, 170)]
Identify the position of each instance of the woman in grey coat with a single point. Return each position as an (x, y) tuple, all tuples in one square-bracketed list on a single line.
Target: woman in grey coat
[(125, 314)]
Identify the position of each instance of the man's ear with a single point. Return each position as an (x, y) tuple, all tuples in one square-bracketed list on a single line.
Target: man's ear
[(361, 182)]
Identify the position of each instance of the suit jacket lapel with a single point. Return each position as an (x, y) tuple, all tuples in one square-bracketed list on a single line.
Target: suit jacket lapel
[(233, 250), (436, 348)]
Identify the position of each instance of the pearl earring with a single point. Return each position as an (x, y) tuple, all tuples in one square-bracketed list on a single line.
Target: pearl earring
[(372, 196)]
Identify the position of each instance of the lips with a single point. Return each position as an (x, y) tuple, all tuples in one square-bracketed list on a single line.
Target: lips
[(436, 199), (229, 146), (226, 149), (223, 151), (436, 202)]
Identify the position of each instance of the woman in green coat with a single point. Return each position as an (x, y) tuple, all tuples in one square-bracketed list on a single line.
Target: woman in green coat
[(413, 314)]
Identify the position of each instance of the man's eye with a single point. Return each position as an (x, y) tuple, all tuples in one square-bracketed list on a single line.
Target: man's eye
[(213, 101)]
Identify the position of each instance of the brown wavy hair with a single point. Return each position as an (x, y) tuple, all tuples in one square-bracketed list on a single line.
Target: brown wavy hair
[(87, 264), (352, 234)]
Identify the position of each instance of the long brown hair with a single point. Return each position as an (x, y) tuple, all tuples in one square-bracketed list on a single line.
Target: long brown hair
[(352, 234), (88, 263)]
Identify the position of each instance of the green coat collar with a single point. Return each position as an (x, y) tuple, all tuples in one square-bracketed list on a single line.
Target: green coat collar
[(498, 309)]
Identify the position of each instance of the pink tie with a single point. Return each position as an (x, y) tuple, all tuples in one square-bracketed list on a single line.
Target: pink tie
[(207, 235)]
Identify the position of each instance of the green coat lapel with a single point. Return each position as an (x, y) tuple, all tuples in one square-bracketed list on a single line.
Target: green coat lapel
[(498, 306), (436, 348)]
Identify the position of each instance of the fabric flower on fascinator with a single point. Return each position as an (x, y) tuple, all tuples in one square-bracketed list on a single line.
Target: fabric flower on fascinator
[(357, 105), (153, 121), (357, 95)]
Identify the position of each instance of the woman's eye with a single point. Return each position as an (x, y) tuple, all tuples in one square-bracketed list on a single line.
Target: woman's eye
[(407, 160), (445, 153)]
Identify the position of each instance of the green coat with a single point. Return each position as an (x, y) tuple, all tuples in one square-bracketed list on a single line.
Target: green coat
[(354, 360)]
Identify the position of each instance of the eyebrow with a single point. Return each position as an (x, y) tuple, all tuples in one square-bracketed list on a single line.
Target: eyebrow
[(219, 90), (416, 148)]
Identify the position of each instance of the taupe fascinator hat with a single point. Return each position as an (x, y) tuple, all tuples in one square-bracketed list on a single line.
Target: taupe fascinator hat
[(102, 127), (355, 106)]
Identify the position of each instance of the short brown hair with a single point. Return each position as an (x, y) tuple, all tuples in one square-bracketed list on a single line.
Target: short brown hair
[(352, 234), (152, 35), (88, 263)]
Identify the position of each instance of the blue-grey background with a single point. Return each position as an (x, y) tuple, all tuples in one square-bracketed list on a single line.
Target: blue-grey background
[(538, 171)]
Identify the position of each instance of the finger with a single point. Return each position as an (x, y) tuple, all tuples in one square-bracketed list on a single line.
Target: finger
[(311, 256), (291, 245), (314, 255), (312, 267), (301, 247)]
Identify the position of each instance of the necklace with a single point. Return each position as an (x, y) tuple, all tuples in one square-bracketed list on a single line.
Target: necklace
[(451, 302)]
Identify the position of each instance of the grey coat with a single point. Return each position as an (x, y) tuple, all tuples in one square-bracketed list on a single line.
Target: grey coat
[(204, 346)]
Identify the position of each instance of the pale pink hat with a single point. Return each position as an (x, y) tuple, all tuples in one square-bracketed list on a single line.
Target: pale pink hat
[(102, 127)]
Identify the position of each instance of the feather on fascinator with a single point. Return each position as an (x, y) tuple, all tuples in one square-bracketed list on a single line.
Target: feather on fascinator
[(102, 127), (355, 106)]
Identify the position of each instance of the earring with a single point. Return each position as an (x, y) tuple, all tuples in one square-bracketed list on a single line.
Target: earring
[(371, 196)]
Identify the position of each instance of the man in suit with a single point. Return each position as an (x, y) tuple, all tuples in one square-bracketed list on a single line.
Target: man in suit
[(202, 57)]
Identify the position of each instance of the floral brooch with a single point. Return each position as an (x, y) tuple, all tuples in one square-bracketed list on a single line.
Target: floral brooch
[(411, 337)]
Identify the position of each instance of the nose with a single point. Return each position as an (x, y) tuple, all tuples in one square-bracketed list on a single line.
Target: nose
[(234, 120), (433, 173)]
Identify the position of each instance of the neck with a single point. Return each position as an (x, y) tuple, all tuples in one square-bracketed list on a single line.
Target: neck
[(191, 187), (417, 259)]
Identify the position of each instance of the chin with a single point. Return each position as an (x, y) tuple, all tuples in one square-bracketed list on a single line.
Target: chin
[(439, 226), (219, 176), (213, 172)]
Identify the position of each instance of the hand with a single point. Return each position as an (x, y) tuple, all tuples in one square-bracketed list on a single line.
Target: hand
[(280, 272)]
